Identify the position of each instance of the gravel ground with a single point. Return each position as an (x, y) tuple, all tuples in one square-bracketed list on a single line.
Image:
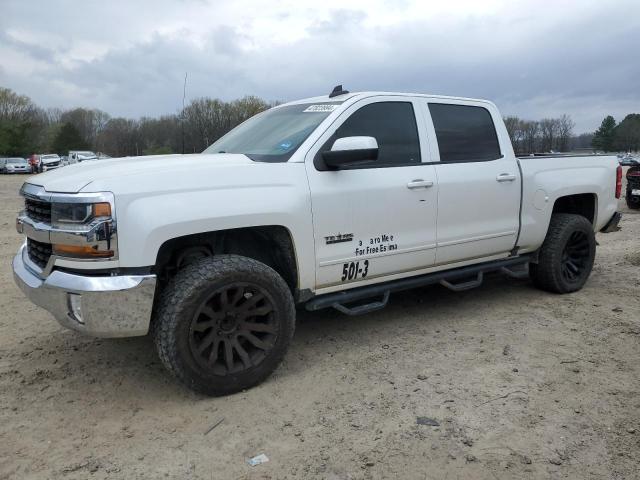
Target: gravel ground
[(503, 381)]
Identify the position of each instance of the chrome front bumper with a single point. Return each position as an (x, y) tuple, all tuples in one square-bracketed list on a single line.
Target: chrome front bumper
[(101, 306)]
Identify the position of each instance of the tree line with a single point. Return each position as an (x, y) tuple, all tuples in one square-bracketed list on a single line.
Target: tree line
[(540, 136), (26, 128), (624, 136)]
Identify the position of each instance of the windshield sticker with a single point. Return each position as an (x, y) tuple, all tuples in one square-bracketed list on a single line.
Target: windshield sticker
[(320, 108), (285, 145)]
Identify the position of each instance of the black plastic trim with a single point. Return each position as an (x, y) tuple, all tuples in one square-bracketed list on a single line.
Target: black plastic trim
[(555, 155), (336, 160), (612, 224), (360, 293), (108, 271)]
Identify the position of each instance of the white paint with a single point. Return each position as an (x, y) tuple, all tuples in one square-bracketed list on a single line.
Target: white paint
[(460, 215), (354, 143)]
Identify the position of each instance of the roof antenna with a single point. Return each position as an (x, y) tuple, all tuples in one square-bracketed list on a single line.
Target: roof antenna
[(337, 90)]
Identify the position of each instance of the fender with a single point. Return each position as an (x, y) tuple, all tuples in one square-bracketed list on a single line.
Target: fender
[(220, 198), (545, 180)]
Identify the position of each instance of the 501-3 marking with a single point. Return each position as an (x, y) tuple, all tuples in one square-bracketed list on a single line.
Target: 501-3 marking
[(353, 270)]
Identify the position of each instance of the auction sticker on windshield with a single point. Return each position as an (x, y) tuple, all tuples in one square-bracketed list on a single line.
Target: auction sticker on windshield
[(320, 108)]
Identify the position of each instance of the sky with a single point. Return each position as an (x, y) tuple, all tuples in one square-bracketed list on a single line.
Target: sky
[(533, 58)]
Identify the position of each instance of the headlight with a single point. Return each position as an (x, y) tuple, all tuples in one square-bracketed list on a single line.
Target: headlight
[(83, 230), (64, 215)]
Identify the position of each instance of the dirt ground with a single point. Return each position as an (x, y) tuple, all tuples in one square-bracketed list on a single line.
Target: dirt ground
[(519, 384)]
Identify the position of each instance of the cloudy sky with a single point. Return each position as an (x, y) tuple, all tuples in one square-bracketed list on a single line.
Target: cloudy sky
[(534, 58)]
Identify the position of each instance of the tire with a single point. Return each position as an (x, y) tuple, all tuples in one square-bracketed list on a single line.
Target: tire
[(633, 205), (223, 324), (566, 257)]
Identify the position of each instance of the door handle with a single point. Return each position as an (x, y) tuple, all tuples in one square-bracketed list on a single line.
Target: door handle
[(506, 177), (419, 183)]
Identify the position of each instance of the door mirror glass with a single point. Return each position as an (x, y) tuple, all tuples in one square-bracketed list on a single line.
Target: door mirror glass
[(351, 150)]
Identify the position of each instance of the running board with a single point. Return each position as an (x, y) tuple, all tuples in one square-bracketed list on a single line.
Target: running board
[(366, 308), (447, 278), (518, 274), (462, 286)]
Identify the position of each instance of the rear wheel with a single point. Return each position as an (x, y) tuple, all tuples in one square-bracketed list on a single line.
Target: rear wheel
[(224, 323), (566, 257)]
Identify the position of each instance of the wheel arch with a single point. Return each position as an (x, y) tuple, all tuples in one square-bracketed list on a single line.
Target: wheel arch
[(272, 245), (583, 204)]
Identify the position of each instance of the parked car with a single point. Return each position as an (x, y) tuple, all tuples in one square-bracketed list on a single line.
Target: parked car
[(77, 156), (629, 160), (633, 187), (3, 161), (49, 161), (16, 165), (333, 201)]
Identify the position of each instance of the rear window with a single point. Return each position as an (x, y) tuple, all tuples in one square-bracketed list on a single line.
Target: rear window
[(464, 133)]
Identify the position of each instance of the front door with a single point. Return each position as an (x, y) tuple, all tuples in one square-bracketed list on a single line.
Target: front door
[(374, 220)]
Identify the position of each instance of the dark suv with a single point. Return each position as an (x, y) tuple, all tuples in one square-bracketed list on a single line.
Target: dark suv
[(633, 187)]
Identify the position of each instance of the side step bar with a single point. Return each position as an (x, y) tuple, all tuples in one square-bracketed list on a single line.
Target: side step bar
[(339, 300)]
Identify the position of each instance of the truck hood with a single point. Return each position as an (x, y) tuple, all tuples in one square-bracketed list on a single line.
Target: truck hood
[(101, 175)]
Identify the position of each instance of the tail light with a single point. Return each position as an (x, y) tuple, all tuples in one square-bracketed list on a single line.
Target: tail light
[(618, 181), (633, 172)]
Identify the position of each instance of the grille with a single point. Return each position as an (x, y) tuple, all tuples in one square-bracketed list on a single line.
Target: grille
[(39, 252), (38, 211)]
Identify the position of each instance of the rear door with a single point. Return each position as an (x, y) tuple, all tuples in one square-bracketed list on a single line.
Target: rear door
[(378, 219), (478, 183)]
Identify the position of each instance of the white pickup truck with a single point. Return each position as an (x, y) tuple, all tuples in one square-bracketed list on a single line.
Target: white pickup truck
[(334, 201)]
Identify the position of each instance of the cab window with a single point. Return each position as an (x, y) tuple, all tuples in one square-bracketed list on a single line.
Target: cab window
[(465, 133), (392, 124)]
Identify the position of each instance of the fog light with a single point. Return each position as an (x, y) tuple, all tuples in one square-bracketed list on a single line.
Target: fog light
[(74, 302)]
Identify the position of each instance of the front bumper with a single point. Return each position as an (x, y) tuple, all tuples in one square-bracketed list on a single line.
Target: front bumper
[(100, 306)]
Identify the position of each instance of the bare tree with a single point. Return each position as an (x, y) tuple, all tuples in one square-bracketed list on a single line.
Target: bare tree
[(565, 132), (14, 107), (513, 126), (549, 132), (88, 122), (530, 136)]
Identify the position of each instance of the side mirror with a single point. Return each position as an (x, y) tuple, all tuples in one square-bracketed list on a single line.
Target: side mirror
[(351, 150)]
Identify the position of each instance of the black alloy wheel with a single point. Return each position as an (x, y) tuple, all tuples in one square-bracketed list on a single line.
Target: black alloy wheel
[(234, 329), (566, 257), (576, 256), (223, 324)]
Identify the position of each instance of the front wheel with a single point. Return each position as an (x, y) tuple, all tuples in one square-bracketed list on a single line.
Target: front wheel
[(224, 324), (566, 257)]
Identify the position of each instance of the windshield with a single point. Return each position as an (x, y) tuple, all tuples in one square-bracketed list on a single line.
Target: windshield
[(275, 135), (49, 157), (17, 161)]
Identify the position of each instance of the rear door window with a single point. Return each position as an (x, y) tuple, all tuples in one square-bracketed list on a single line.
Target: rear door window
[(464, 133)]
